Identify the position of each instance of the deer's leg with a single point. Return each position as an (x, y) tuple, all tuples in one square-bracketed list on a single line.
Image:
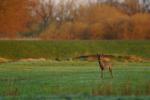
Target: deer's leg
[(110, 70), (101, 73)]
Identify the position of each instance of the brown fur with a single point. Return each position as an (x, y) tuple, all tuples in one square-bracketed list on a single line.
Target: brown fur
[(104, 65)]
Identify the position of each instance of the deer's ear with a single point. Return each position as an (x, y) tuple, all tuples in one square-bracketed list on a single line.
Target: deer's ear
[(102, 55)]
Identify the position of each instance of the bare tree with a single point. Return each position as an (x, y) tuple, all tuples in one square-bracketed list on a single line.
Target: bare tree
[(44, 12), (66, 10), (132, 6)]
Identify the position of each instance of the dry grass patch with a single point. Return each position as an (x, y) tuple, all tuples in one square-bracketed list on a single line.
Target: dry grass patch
[(33, 60), (3, 60)]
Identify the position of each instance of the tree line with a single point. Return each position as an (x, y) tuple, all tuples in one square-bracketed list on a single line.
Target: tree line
[(69, 20)]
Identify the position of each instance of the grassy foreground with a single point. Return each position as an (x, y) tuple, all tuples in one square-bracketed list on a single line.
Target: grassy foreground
[(68, 49), (73, 80)]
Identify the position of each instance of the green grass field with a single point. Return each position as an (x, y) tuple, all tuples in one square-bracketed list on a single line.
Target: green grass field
[(73, 80), (69, 49), (61, 78)]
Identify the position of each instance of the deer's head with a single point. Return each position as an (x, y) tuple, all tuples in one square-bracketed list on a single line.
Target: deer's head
[(99, 56)]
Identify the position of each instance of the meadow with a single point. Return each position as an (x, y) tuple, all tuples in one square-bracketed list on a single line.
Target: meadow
[(77, 80), (60, 76)]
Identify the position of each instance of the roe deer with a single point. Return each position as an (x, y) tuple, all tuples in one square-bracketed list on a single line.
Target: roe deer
[(104, 65)]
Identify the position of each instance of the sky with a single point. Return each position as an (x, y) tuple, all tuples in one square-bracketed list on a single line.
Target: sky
[(81, 1), (85, 1)]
